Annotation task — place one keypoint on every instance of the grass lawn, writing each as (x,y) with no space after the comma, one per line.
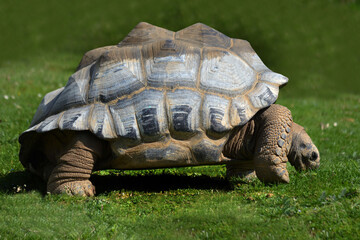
(314,43)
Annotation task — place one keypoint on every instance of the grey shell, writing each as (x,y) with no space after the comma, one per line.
(158,83)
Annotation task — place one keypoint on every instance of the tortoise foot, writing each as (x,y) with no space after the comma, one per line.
(78,188)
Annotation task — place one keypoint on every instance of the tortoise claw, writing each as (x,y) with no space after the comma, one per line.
(75,188)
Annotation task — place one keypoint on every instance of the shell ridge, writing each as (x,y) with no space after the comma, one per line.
(59,118)
(92,71)
(167,109)
(141,135)
(231,44)
(166,124)
(198,77)
(201,110)
(230,111)
(84,91)
(90,116)
(111,119)
(142,64)
(204,35)
(144,33)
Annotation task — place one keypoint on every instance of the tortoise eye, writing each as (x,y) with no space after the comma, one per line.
(302,145)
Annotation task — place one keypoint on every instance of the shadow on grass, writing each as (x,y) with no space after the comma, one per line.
(16,182)
(158,183)
(24,181)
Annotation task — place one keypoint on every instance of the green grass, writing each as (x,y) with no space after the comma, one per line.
(315,43)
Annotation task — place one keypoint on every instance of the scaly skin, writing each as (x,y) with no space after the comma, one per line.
(72,156)
(266,143)
(270,156)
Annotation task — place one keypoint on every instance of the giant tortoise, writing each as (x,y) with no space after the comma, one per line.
(166,99)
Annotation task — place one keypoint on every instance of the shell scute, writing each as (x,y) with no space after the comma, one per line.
(263,95)
(49,123)
(117,74)
(74,93)
(141,117)
(45,106)
(170,63)
(216,115)
(75,119)
(225,73)
(240,111)
(183,111)
(101,122)
(93,55)
(125,122)
(244,50)
(151,115)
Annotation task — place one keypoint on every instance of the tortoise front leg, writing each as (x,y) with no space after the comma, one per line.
(272,145)
(74,163)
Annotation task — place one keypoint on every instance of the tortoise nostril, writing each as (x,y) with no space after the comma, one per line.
(314,156)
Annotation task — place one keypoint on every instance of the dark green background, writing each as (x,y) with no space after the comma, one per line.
(314,43)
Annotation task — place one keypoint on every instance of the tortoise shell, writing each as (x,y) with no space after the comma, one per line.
(162,95)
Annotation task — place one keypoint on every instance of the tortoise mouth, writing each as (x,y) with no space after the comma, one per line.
(307,162)
(298,163)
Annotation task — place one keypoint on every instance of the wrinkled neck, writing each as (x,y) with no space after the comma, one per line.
(241,143)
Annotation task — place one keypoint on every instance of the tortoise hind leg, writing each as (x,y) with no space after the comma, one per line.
(73,156)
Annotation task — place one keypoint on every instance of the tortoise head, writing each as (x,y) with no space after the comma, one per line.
(303,153)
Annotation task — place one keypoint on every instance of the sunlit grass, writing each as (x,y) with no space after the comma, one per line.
(312,42)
